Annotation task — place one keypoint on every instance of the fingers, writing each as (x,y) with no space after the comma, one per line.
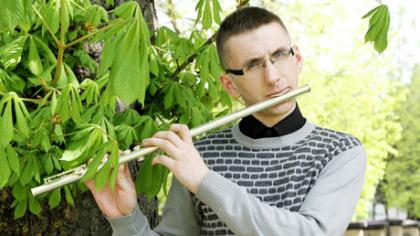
(170,136)
(165,161)
(162,144)
(183,132)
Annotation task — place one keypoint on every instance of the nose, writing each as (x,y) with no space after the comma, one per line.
(271,74)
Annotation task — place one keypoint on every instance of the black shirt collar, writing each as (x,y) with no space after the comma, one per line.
(254,129)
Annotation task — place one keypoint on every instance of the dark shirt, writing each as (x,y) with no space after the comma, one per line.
(254,129)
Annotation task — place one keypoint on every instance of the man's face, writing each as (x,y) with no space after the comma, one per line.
(273,79)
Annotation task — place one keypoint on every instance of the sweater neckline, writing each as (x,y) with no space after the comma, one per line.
(273,142)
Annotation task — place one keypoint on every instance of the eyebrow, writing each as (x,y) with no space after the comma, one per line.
(258,59)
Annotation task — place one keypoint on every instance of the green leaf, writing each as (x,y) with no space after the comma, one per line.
(148,129)
(63,80)
(381,42)
(20,117)
(154,66)
(7,21)
(34,61)
(111,44)
(5,169)
(13,159)
(96,14)
(54,198)
(10,54)
(126,10)
(47,164)
(63,104)
(76,107)
(129,76)
(20,209)
(34,205)
(199,9)
(45,141)
(102,176)
(68,195)
(6,124)
(180,95)
(58,131)
(196,117)
(115,164)
(53,103)
(378,27)
(150,178)
(95,161)
(207,15)
(19,192)
(27,173)
(52,17)
(45,49)
(144,180)
(215,66)
(216,11)
(14,83)
(169,96)
(77,147)
(35,165)
(71,76)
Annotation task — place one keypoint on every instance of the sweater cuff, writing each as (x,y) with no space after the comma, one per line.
(128,224)
(215,190)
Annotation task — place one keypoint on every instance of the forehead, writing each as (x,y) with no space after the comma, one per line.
(255,43)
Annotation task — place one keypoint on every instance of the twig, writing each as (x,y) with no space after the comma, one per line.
(192,57)
(76,41)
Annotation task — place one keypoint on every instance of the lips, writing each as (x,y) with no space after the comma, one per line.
(278,92)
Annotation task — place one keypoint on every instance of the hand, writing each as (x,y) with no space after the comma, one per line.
(184,162)
(122,201)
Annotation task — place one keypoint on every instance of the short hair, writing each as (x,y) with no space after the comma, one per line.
(243,20)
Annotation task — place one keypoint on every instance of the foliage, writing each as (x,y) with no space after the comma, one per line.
(402,186)
(378,27)
(54,119)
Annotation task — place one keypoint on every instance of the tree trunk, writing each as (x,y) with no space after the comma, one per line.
(85,218)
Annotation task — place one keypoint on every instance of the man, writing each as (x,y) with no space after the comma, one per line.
(273,174)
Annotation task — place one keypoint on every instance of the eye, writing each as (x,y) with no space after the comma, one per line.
(253,65)
(250,66)
(280,54)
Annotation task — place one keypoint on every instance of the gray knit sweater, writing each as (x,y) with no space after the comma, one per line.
(303,183)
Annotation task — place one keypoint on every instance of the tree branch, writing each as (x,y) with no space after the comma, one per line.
(192,57)
(76,41)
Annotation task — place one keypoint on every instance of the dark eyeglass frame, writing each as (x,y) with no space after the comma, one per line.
(241,71)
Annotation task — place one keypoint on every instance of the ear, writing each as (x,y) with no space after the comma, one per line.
(229,85)
(298,58)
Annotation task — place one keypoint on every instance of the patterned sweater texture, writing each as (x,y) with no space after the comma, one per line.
(278,175)
(303,183)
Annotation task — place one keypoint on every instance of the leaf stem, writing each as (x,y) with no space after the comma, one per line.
(76,41)
(46,25)
(61,44)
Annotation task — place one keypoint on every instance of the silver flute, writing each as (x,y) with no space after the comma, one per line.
(77,173)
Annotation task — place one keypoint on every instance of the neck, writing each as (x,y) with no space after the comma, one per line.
(270,121)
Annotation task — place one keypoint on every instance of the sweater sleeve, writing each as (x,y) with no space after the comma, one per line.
(326,210)
(179,217)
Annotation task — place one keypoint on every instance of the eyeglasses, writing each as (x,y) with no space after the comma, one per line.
(255,68)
